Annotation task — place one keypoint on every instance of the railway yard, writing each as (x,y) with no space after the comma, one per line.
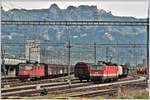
(83,80)
(74,52)
(60,88)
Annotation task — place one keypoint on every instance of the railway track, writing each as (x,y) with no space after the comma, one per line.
(13,82)
(97,89)
(52,87)
(110,89)
(18,88)
(9,80)
(16,83)
(20,83)
(57,88)
(95,93)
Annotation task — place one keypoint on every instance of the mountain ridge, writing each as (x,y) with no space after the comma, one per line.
(99,14)
(83,34)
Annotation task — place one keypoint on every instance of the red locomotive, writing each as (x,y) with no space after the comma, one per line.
(40,70)
(104,72)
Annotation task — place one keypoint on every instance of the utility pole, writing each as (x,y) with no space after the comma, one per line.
(24,46)
(148,49)
(117,59)
(134,56)
(29,53)
(107,54)
(95,52)
(69,47)
(137,52)
(3,61)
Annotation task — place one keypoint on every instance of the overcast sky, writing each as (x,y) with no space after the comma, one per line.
(133,8)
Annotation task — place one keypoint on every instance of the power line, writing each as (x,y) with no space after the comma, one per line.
(63,43)
(77,23)
(80,45)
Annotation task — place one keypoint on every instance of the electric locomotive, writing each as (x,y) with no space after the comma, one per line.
(104,72)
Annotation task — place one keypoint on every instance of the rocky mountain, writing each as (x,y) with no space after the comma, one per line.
(55,13)
(83,34)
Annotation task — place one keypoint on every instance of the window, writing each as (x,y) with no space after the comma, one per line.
(25,66)
(21,67)
(96,67)
(28,67)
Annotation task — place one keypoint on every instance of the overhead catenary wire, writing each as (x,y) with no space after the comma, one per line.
(80,45)
(77,23)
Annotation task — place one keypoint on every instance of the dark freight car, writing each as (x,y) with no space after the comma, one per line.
(81,71)
(59,69)
(125,69)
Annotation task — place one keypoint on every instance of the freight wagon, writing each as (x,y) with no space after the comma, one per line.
(41,70)
(125,70)
(141,70)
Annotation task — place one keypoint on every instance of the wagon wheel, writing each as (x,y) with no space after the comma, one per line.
(87,80)
(80,80)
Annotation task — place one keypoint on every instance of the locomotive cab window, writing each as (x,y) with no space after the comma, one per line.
(96,67)
(28,67)
(21,67)
(25,67)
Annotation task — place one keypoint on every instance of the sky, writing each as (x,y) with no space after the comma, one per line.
(135,8)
